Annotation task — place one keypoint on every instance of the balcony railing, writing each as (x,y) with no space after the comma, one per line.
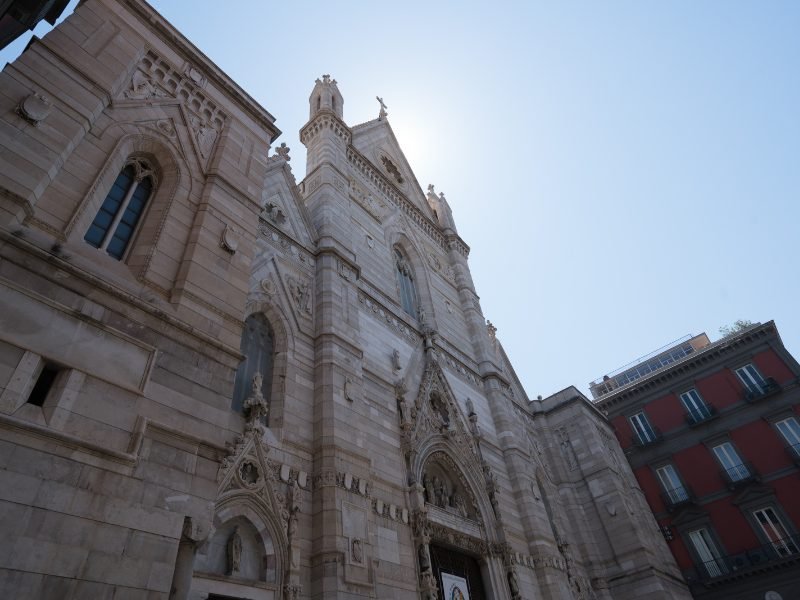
(704,413)
(739,475)
(770,387)
(779,550)
(651,437)
(677,497)
(794,452)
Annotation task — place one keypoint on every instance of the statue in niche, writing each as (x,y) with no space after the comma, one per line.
(396,360)
(438,488)
(440,409)
(459,504)
(255,406)
(234,552)
(428,485)
(300,294)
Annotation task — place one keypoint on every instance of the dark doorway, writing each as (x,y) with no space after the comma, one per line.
(461,565)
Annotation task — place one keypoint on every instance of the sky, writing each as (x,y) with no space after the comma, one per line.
(625,173)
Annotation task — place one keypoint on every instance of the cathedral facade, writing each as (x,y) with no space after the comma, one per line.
(217,382)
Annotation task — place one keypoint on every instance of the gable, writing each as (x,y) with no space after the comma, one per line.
(376,141)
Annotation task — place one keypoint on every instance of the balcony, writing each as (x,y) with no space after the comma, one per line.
(794,453)
(648,438)
(699,415)
(740,475)
(786,550)
(678,498)
(770,387)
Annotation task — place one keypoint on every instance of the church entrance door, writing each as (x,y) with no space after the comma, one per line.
(451,569)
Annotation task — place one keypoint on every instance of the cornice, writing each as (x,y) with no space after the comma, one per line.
(325,119)
(694,362)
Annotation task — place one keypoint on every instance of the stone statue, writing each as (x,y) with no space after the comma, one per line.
(459,504)
(513,583)
(424,558)
(470,407)
(258,384)
(438,488)
(396,360)
(234,552)
(428,485)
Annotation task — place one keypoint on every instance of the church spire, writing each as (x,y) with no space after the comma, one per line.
(325,96)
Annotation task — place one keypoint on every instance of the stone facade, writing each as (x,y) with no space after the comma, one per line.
(384,431)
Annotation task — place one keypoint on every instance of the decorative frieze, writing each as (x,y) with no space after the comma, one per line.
(384,314)
(285,245)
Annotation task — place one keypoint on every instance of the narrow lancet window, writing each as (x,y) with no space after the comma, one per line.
(405,280)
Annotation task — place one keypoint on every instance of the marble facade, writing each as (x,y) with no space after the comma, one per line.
(373,435)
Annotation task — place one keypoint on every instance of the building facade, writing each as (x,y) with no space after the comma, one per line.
(713,437)
(216,382)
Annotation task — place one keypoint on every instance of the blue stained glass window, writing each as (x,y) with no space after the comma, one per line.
(118,200)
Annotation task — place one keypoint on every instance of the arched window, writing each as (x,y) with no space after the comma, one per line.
(115,222)
(405,280)
(257,347)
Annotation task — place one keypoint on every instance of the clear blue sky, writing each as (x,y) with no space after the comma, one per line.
(625,172)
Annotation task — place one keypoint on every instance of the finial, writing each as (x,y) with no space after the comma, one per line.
(441,196)
(326,79)
(382,112)
(491,329)
(430,189)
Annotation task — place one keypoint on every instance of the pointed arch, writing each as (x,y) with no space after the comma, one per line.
(173,182)
(398,240)
(282,346)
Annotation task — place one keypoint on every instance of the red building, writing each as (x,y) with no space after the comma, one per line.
(712,433)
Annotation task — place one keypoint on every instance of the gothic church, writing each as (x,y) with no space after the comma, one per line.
(217,382)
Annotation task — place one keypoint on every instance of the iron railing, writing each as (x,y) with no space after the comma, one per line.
(677,497)
(770,387)
(698,415)
(652,436)
(740,474)
(778,550)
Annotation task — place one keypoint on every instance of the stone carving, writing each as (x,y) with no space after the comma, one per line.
(374,206)
(292,508)
(424,558)
(274,213)
(470,407)
(205,135)
(382,114)
(301,294)
(567,451)
(356,551)
(255,406)
(348,389)
(392,169)
(283,152)
(142,87)
(234,549)
(513,584)
(396,360)
(229,239)
(248,473)
(491,329)
(34,108)
(268,286)
(291,592)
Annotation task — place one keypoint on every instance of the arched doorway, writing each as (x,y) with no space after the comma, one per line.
(455,570)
